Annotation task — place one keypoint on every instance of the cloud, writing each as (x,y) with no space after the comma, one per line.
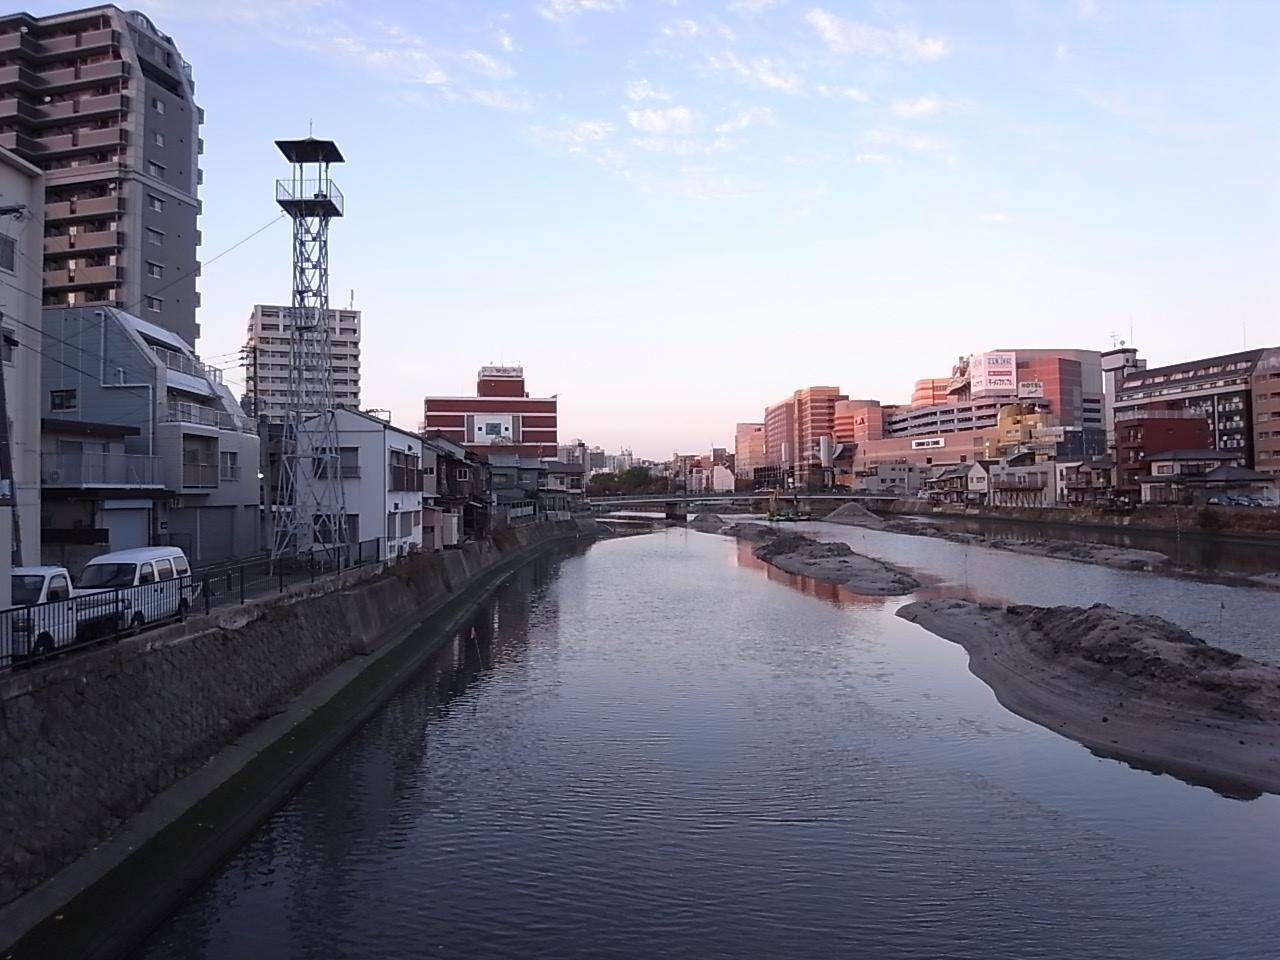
(402,56)
(578,135)
(847,93)
(661,120)
(505,40)
(759,72)
(917,107)
(751,7)
(487,65)
(500,99)
(685,29)
(995,217)
(755,116)
(699,184)
(563,9)
(850,36)
(910,140)
(643,90)
(1060,53)
(871,157)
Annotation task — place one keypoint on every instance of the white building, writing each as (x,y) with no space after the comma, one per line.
(21,272)
(267,360)
(382,484)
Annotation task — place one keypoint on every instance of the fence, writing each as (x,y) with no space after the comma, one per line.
(38,631)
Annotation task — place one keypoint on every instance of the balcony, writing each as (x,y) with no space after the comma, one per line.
(1145,414)
(84,277)
(21,143)
(102,104)
(309,198)
(179,411)
(108,206)
(84,140)
(89,40)
(1017,483)
(86,73)
(99,470)
(13,108)
(200,476)
(184,364)
(18,74)
(18,42)
(84,242)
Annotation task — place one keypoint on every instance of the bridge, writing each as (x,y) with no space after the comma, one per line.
(676,505)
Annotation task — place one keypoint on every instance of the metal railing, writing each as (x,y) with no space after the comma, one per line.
(201,475)
(322,192)
(99,469)
(38,632)
(179,411)
(184,364)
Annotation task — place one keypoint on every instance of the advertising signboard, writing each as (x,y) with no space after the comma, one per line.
(928,443)
(993,374)
(1030,389)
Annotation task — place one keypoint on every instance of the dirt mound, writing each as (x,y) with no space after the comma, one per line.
(854,515)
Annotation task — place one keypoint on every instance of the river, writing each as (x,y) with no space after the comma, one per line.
(657,747)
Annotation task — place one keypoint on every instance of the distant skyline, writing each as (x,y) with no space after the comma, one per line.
(673,213)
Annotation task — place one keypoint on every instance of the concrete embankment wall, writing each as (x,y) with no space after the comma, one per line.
(1244,522)
(87,740)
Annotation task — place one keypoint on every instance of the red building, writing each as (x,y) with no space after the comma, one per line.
(1147,431)
(500,417)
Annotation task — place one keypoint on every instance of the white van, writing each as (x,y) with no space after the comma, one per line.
(43,616)
(141,586)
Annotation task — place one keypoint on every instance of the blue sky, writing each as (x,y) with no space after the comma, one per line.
(674,212)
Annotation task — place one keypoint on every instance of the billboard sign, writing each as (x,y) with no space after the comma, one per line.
(928,443)
(1030,389)
(993,374)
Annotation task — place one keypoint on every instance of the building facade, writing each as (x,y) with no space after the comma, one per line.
(799,429)
(1219,389)
(1144,432)
(21,232)
(103,103)
(501,416)
(748,449)
(382,482)
(142,444)
(1265,384)
(267,360)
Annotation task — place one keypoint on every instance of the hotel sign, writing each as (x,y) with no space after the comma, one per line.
(993,374)
(1030,389)
(928,443)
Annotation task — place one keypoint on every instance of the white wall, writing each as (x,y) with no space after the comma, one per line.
(367,496)
(21,183)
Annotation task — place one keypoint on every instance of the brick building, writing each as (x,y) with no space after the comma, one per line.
(501,416)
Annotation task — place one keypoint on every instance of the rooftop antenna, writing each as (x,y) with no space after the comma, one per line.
(310,513)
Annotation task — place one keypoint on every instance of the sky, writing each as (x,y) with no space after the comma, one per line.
(674,212)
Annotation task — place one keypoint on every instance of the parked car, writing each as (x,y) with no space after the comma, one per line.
(43,615)
(131,588)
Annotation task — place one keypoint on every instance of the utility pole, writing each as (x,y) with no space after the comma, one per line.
(8,493)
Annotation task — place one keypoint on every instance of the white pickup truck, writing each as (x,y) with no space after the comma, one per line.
(43,615)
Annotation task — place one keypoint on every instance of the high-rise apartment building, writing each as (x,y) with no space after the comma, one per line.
(795,428)
(748,449)
(267,360)
(102,102)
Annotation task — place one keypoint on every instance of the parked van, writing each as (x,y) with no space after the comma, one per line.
(138,586)
(43,616)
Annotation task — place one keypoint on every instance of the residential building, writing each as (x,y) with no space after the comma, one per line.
(1086,481)
(142,444)
(1118,364)
(1192,476)
(21,230)
(1220,389)
(500,415)
(1021,482)
(901,479)
(949,485)
(460,488)
(103,103)
(1265,384)
(1143,432)
(380,468)
(748,449)
(268,360)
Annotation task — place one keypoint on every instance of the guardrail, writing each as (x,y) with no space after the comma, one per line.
(37,632)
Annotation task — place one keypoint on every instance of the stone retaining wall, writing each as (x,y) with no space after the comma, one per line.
(1228,521)
(88,739)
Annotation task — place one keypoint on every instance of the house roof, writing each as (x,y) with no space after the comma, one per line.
(1227,472)
(384,424)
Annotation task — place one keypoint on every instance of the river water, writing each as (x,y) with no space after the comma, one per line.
(657,747)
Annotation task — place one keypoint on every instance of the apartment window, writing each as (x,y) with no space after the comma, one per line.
(155,203)
(157,105)
(155,237)
(155,169)
(154,269)
(154,304)
(157,138)
(463,473)
(62,400)
(229,465)
(8,253)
